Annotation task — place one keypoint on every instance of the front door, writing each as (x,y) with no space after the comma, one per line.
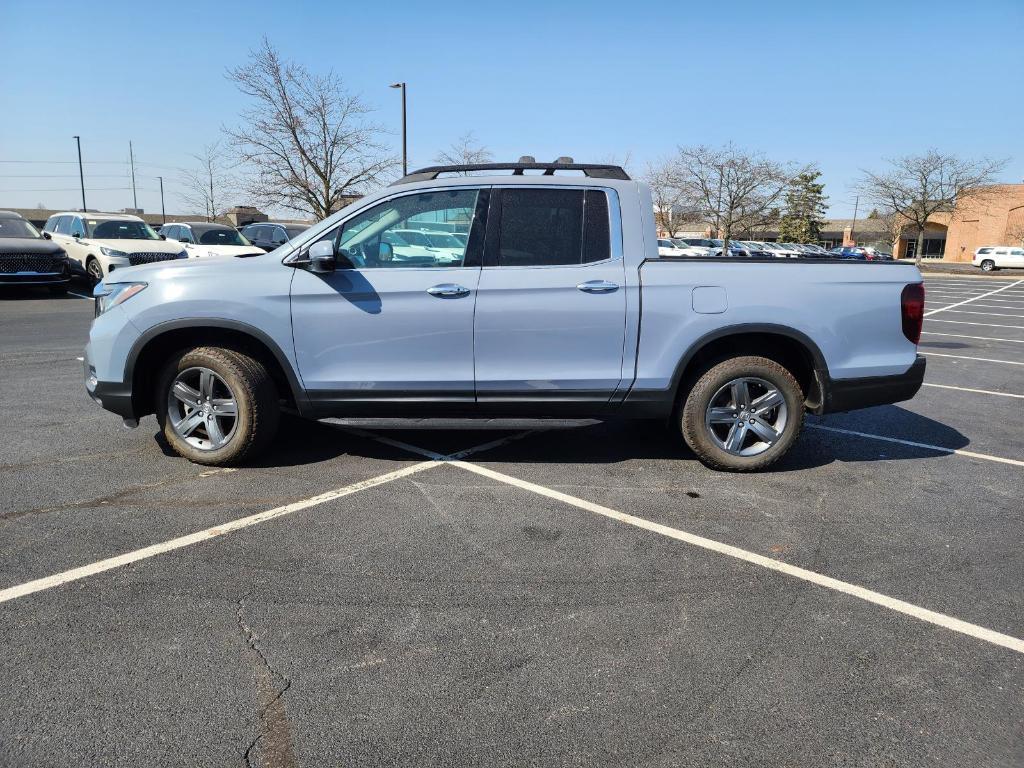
(394,322)
(551,309)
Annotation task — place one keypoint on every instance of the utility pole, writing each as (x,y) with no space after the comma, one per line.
(405,143)
(853,226)
(213,211)
(163,212)
(131,160)
(81,175)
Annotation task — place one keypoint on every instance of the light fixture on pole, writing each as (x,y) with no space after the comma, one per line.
(81,175)
(405,144)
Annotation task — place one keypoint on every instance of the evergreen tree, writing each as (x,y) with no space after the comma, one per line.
(805,209)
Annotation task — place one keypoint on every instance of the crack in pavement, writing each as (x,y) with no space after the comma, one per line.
(273,744)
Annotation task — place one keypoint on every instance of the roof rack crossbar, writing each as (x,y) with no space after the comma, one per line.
(591,170)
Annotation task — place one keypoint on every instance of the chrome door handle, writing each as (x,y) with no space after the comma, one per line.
(598,286)
(448,291)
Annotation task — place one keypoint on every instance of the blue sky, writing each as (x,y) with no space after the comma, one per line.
(843,85)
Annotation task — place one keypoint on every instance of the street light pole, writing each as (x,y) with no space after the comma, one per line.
(81,175)
(163,213)
(131,160)
(405,144)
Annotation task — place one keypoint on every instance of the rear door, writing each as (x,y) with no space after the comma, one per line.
(551,306)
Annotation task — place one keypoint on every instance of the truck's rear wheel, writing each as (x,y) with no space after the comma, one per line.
(743,414)
(216,406)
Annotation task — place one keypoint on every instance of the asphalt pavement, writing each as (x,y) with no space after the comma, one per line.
(578,593)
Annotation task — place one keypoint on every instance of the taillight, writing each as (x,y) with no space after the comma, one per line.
(912,311)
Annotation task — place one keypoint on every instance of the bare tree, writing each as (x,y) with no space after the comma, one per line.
(464,151)
(670,198)
(210,184)
(916,187)
(306,137)
(731,189)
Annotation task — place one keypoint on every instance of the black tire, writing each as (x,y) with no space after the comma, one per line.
(94,270)
(248,384)
(709,385)
(988,266)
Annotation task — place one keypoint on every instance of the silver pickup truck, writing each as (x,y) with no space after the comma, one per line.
(534,293)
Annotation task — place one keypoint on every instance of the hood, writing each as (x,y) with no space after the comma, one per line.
(138,246)
(224,250)
(206,268)
(29,245)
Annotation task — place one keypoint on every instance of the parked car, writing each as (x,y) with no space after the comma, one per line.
(993,257)
(669,247)
(440,246)
(103,242)
(736,248)
(269,235)
(849,252)
(575,315)
(28,258)
(207,239)
(762,250)
(698,246)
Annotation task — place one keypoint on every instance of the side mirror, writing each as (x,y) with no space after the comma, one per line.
(77,235)
(321,257)
(163,237)
(47,236)
(386,252)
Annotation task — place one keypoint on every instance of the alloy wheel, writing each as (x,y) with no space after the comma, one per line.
(201,408)
(746,416)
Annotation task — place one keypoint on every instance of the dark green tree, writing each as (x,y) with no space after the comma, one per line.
(805,209)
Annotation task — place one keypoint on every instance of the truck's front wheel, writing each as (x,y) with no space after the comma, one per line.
(743,414)
(216,406)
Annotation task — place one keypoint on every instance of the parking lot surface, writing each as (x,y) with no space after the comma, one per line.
(382,593)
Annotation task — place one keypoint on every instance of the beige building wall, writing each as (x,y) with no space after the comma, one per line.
(993,216)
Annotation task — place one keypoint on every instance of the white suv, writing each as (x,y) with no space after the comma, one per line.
(992,257)
(103,242)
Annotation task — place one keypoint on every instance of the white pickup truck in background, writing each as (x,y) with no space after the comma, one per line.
(557,304)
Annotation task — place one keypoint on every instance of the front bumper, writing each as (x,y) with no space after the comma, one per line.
(851,394)
(114,396)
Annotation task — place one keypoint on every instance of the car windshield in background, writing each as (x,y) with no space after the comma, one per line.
(18,228)
(117,229)
(222,237)
(443,240)
(416,238)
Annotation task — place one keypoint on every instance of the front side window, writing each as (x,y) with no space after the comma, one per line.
(63,226)
(77,230)
(389,234)
(552,227)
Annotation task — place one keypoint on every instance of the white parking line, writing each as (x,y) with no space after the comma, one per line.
(968,357)
(49,582)
(966,301)
(962,336)
(986,325)
(913,444)
(990,314)
(968,389)
(868,595)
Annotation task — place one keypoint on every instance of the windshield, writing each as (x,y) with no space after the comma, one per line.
(120,229)
(18,228)
(222,237)
(416,238)
(443,240)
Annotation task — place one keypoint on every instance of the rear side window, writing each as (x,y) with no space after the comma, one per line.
(552,227)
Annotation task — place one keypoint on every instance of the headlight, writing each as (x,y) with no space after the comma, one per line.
(113,252)
(110,295)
